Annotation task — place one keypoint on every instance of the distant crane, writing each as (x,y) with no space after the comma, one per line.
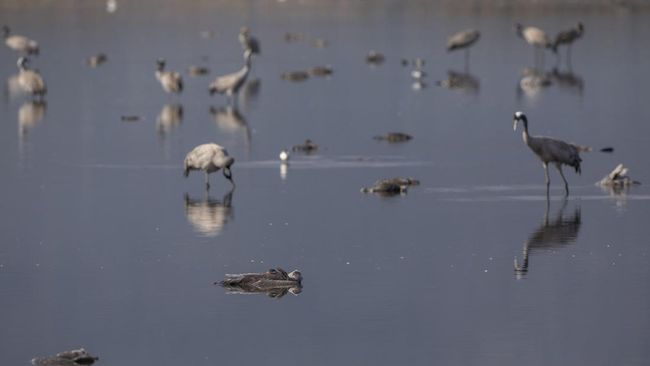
(171,81)
(550,150)
(231,83)
(20,43)
(463,39)
(29,80)
(249,42)
(567,37)
(209,158)
(536,38)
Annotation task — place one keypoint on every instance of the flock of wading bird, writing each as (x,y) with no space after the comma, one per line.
(212,157)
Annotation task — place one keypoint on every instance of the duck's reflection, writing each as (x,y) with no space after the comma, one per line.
(461,81)
(209,216)
(550,234)
(170,117)
(229,119)
(30,114)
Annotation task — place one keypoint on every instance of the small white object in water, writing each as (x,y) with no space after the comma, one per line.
(418,74)
(284,155)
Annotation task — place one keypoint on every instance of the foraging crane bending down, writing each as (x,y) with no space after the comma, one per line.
(209,158)
(171,81)
(248,42)
(20,43)
(550,150)
(29,80)
(231,83)
(533,36)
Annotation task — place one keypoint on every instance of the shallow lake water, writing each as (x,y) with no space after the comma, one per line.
(105,245)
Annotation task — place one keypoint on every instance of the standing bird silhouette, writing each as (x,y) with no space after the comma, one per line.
(209,158)
(249,42)
(567,37)
(20,43)
(536,38)
(171,81)
(550,150)
(29,80)
(231,83)
(463,39)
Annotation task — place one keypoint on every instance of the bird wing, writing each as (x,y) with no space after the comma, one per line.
(553,150)
(464,38)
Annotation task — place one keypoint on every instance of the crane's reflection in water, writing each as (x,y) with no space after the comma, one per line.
(549,235)
(209,216)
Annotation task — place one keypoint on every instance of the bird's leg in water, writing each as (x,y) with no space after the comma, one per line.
(207,182)
(566,184)
(548,181)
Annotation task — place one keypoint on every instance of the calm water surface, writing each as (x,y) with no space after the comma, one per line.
(105,245)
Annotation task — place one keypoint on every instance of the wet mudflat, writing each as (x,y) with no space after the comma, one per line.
(105,245)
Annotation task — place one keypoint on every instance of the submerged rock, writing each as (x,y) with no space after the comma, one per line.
(392,186)
(394,137)
(67,358)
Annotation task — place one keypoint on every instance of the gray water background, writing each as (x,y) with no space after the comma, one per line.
(99,249)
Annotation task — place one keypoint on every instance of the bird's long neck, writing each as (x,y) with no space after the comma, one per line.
(5,32)
(524,135)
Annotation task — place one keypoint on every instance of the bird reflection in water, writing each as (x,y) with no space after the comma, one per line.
(229,119)
(249,92)
(567,81)
(461,81)
(30,114)
(549,235)
(170,117)
(209,216)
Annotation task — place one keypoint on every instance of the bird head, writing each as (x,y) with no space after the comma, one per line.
(519,117)
(226,170)
(244,31)
(160,63)
(518,29)
(6,31)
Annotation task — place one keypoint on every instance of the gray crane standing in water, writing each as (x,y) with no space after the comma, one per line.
(29,80)
(464,39)
(231,83)
(567,37)
(550,150)
(171,81)
(209,158)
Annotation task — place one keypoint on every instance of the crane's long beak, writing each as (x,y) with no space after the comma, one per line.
(514,124)
(228,174)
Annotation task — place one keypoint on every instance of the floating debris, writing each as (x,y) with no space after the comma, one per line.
(319,43)
(307,147)
(197,71)
(394,137)
(392,186)
(67,358)
(295,75)
(320,71)
(618,178)
(130,118)
(375,58)
(96,60)
(291,37)
(275,282)
(206,34)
